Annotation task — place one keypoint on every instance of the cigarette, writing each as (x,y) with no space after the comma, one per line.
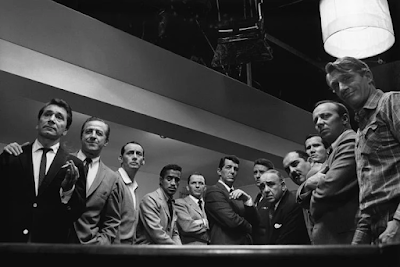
(65,165)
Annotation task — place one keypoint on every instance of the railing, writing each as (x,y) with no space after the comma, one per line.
(212,255)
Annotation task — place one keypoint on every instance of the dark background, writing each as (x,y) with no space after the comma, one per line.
(295,70)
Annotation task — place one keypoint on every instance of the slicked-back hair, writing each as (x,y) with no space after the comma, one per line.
(326,145)
(131,142)
(62,104)
(195,173)
(108,131)
(168,167)
(265,162)
(228,157)
(302,154)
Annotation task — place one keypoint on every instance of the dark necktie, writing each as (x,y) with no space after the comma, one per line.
(200,204)
(86,164)
(43,161)
(170,207)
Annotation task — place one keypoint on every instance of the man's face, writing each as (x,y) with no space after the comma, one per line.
(296,167)
(196,185)
(258,170)
(170,182)
(351,87)
(271,187)
(52,124)
(94,137)
(316,149)
(328,122)
(228,172)
(133,157)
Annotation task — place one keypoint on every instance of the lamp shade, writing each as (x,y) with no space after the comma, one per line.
(356,28)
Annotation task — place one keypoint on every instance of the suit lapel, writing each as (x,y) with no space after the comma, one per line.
(194,205)
(59,160)
(27,165)
(98,179)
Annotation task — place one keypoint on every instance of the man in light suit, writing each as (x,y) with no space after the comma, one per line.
(131,159)
(157,217)
(334,201)
(41,210)
(230,211)
(100,222)
(192,219)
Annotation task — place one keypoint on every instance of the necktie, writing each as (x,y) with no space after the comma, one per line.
(200,204)
(86,163)
(170,207)
(43,161)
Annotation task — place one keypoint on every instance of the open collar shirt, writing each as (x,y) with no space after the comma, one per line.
(378,151)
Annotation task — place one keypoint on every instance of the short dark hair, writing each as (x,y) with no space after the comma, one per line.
(62,104)
(228,157)
(265,162)
(168,167)
(130,142)
(326,145)
(195,173)
(108,131)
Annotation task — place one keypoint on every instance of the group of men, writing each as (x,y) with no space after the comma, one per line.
(348,183)
(353,197)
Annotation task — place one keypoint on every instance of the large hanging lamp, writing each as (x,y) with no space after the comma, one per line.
(356,28)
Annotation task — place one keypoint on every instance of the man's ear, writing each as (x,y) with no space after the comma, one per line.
(120,159)
(65,132)
(219,171)
(345,119)
(143,162)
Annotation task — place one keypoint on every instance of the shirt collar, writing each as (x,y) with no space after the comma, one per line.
(37,145)
(82,157)
(196,200)
(125,177)
(371,104)
(227,187)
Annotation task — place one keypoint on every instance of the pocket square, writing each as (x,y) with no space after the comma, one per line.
(277,225)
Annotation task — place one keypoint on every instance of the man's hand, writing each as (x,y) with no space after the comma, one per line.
(391,234)
(14,148)
(239,194)
(312,182)
(71,176)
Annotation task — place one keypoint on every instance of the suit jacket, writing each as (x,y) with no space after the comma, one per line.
(334,203)
(156,225)
(230,220)
(287,226)
(101,219)
(260,232)
(26,217)
(191,227)
(129,215)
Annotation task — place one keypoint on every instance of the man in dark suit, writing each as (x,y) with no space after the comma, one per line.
(43,187)
(285,224)
(192,219)
(230,212)
(157,217)
(100,222)
(260,234)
